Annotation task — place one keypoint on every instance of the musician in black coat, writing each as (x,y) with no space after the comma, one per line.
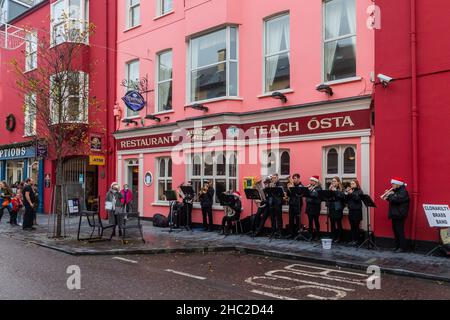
(295,205)
(206,197)
(336,209)
(276,205)
(232,213)
(355,205)
(399,200)
(313,207)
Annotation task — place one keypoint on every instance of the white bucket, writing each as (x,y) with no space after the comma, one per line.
(326,244)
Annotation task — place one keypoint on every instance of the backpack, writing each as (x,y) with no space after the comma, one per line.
(160,221)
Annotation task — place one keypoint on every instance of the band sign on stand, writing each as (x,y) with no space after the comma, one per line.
(438,215)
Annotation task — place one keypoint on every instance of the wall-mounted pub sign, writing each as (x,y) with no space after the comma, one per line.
(134,100)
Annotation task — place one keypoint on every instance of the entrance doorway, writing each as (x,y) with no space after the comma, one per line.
(132,179)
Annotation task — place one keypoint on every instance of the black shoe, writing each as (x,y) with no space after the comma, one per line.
(399,250)
(395,249)
(29,229)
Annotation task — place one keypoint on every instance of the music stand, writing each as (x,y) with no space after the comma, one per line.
(327,196)
(171,196)
(252,194)
(274,192)
(368,202)
(302,192)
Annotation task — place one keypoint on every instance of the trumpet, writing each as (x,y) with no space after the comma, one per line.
(387,193)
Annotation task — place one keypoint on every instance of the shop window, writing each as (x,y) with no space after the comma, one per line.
(340,161)
(214,65)
(164,177)
(132,81)
(339,39)
(218,167)
(30,115)
(164,85)
(276,161)
(69,21)
(31,51)
(69,94)
(164,7)
(133,13)
(277,54)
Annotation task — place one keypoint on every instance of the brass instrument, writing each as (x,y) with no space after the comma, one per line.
(348,190)
(387,193)
(290,184)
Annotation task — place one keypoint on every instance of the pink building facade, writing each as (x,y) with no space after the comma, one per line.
(231,92)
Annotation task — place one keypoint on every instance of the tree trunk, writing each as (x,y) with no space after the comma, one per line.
(58,196)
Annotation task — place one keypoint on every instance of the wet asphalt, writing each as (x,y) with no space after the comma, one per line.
(30,272)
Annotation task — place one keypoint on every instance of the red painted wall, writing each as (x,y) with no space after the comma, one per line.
(393,120)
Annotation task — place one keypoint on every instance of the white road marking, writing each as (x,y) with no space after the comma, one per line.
(186,274)
(277,296)
(126,260)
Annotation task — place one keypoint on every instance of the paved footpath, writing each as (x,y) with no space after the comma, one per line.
(161,241)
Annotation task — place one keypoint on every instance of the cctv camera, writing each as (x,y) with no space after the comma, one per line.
(385,80)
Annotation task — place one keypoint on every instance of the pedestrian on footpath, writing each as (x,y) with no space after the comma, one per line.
(399,200)
(29,200)
(114,206)
(5,199)
(127,198)
(21,211)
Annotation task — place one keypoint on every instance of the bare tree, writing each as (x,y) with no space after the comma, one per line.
(56,91)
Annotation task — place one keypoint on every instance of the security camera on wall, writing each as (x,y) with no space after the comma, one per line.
(384,79)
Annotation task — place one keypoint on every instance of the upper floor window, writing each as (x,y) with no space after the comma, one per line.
(164,7)
(69,97)
(164,85)
(30,114)
(339,40)
(277,54)
(132,76)
(31,47)
(133,13)
(340,161)
(70,21)
(214,65)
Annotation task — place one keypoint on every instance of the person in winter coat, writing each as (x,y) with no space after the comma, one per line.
(206,197)
(114,206)
(336,209)
(354,203)
(5,199)
(313,207)
(295,205)
(232,214)
(399,200)
(127,198)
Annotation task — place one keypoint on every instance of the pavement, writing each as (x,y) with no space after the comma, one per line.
(161,241)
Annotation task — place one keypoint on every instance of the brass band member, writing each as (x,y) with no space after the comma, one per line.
(261,204)
(295,205)
(232,213)
(399,200)
(264,208)
(354,203)
(313,207)
(188,201)
(206,197)
(277,206)
(336,209)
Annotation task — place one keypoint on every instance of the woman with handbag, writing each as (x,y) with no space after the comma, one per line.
(114,206)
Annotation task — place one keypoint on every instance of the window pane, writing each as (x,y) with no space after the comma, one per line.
(233,43)
(58,11)
(165,96)
(208,163)
(232,185)
(340,18)
(221,187)
(271,163)
(232,172)
(196,185)
(220,165)
(73,111)
(332,161)
(162,168)
(197,166)
(340,59)
(278,72)
(167,6)
(209,49)
(169,168)
(74,9)
(165,66)
(349,161)
(285,163)
(209,83)
(233,79)
(161,189)
(277,35)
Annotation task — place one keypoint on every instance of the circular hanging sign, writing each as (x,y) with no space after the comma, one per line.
(148,179)
(134,100)
(10,122)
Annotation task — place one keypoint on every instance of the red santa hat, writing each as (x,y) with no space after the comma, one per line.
(237,193)
(314,178)
(398,181)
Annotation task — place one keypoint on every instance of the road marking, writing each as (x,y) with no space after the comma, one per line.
(277,296)
(186,274)
(126,260)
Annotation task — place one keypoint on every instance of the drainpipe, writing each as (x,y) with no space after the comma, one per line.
(414,120)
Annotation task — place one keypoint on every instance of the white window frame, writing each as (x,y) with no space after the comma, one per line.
(166,178)
(228,61)
(129,11)
(83,96)
(160,8)
(159,82)
(324,41)
(340,151)
(202,177)
(277,154)
(30,115)
(31,51)
(265,55)
(82,20)
(129,114)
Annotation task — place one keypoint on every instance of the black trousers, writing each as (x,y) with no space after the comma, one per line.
(28,217)
(278,216)
(314,219)
(268,212)
(336,228)
(257,218)
(13,217)
(188,212)
(354,229)
(207,212)
(294,219)
(398,226)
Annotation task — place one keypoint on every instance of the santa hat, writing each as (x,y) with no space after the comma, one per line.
(237,193)
(398,181)
(114,184)
(314,178)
